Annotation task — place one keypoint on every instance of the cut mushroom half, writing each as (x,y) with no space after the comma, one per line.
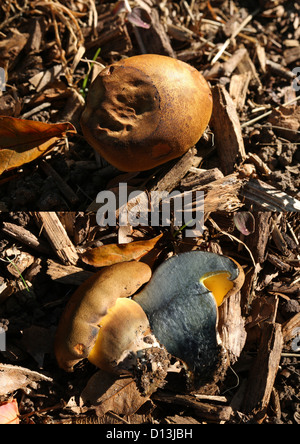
(181,302)
(100,322)
(123,337)
(175,314)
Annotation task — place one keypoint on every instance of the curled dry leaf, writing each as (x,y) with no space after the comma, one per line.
(22,141)
(114,253)
(110,393)
(13,377)
(9,412)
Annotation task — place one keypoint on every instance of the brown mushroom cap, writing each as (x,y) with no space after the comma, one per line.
(81,320)
(146,110)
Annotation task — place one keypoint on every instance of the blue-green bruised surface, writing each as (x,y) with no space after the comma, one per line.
(182,312)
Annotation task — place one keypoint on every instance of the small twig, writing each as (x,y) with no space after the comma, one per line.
(237,382)
(11,19)
(115,416)
(235,33)
(282,128)
(232,238)
(36,110)
(94,17)
(189,11)
(293,234)
(291,355)
(280,71)
(60,405)
(94,62)
(250,122)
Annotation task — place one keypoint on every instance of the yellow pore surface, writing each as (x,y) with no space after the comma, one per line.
(218,284)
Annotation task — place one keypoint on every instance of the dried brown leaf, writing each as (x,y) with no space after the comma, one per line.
(110,393)
(22,141)
(114,253)
(13,377)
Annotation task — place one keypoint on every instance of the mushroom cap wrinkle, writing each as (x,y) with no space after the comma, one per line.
(146,110)
(183,312)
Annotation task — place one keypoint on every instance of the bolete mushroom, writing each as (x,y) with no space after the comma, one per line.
(101,305)
(176,313)
(146,110)
(181,303)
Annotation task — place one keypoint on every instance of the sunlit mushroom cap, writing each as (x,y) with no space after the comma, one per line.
(145,110)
